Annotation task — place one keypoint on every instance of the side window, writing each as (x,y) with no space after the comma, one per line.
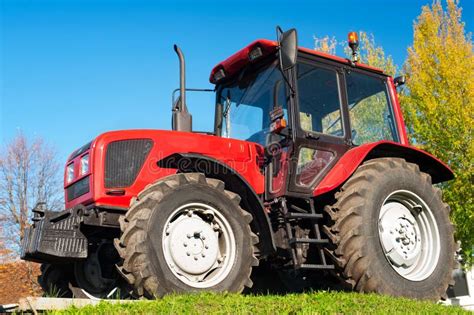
(369,110)
(319,101)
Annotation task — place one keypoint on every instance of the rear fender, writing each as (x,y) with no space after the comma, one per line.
(351,160)
(212,168)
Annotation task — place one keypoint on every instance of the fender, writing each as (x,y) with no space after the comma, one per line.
(351,160)
(212,168)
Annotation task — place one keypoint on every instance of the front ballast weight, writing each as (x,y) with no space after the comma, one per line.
(54,236)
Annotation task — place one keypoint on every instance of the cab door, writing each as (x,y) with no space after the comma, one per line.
(320,119)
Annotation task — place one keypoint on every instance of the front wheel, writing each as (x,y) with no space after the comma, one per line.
(391,232)
(187,233)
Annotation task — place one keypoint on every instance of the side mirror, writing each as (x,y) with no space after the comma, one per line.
(288,43)
(399,81)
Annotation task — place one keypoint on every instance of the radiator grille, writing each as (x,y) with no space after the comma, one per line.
(123,161)
(78,189)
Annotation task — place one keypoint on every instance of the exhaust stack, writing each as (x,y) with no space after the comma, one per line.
(181,118)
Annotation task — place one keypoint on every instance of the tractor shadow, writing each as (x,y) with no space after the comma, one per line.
(269,281)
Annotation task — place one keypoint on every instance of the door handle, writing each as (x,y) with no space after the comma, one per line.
(311,136)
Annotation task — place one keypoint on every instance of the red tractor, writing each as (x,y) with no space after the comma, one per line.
(308,172)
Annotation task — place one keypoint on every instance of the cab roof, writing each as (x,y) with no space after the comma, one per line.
(237,61)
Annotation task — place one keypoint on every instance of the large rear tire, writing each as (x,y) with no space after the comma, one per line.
(391,232)
(186,233)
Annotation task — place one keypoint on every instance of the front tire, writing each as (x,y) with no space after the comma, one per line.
(55,279)
(186,233)
(391,233)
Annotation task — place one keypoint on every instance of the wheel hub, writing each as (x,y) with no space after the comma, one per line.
(400,234)
(409,236)
(194,245)
(198,245)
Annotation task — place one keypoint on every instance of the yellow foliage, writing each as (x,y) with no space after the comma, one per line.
(438,104)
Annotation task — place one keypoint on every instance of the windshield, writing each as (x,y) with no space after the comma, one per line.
(243,106)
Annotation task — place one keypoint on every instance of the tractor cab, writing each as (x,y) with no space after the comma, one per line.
(307,113)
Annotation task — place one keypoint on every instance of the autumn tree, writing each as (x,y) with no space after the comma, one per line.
(5,253)
(29,173)
(439,104)
(326,44)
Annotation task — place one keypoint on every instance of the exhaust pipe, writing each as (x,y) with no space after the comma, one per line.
(181,118)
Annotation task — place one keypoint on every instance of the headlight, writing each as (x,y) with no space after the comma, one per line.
(70,172)
(84,164)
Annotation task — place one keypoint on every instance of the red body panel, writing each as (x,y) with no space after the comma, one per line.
(238,155)
(349,162)
(237,61)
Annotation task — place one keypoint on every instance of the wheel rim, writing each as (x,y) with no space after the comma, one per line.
(409,235)
(198,245)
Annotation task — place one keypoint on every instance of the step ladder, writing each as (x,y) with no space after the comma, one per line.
(293,212)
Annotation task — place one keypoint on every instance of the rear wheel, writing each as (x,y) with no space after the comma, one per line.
(187,233)
(391,232)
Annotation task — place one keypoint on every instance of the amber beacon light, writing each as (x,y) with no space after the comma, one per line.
(353,41)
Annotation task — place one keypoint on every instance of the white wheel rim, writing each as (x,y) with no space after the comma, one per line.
(409,235)
(198,245)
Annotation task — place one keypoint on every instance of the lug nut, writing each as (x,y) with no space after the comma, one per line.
(188,235)
(203,255)
(188,253)
(206,247)
(195,258)
(203,237)
(185,244)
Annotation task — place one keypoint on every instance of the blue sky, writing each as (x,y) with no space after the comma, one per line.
(72,69)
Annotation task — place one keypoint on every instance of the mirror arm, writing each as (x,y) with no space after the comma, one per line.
(293,92)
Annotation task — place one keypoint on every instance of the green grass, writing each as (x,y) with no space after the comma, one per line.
(307,303)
